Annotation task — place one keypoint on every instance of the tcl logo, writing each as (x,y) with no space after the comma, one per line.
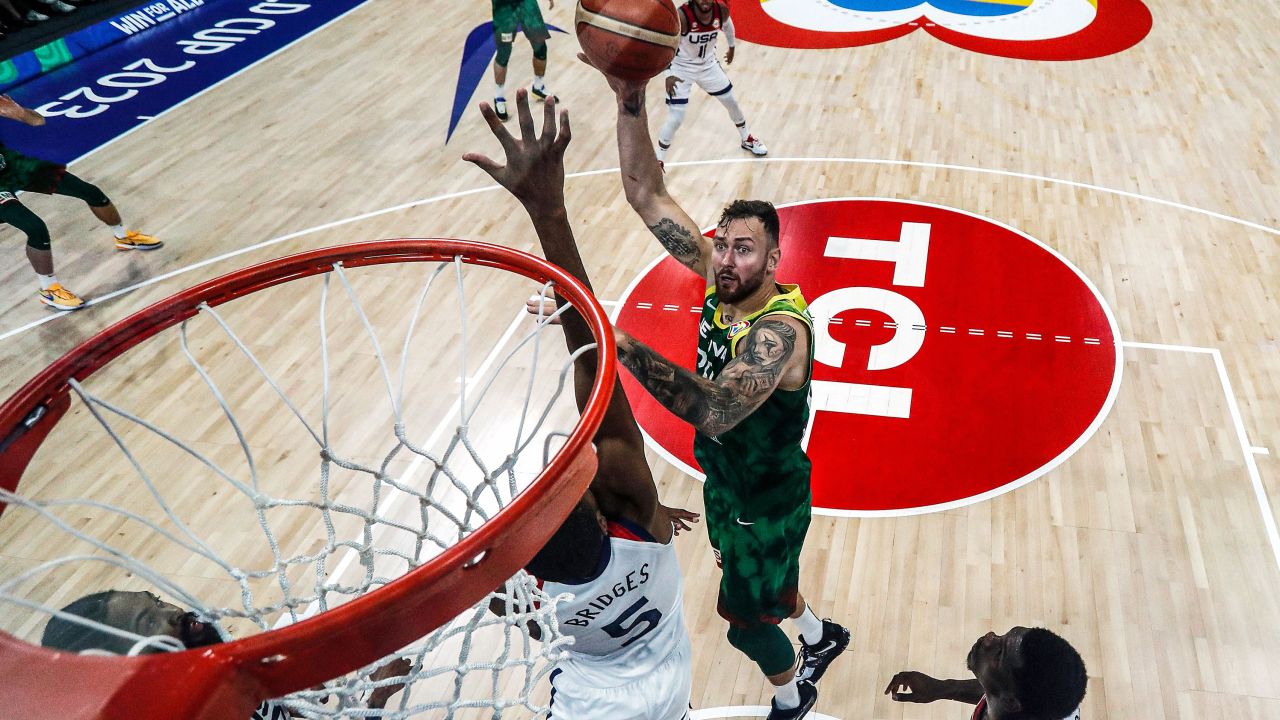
(955,358)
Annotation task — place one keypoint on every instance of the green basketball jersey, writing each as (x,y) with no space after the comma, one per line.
(759,463)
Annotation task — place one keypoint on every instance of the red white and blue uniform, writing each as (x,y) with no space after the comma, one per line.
(631,656)
(696,60)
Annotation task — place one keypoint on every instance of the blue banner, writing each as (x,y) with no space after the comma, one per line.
(93,100)
(143,16)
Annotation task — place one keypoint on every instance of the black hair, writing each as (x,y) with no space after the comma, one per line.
(71,636)
(760,209)
(1051,682)
(573,552)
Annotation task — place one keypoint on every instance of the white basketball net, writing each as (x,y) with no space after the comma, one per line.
(176,522)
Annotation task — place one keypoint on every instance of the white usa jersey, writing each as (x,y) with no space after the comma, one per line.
(698,45)
(627,620)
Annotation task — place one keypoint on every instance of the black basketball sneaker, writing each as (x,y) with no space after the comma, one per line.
(815,658)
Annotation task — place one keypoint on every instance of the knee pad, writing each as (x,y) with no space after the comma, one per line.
(540,50)
(37,235)
(73,186)
(765,644)
(96,198)
(504,53)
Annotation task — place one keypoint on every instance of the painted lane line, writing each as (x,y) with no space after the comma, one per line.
(1004,334)
(1237,419)
(1259,451)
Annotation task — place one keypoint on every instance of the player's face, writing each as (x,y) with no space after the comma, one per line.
(145,614)
(703,6)
(994,658)
(741,258)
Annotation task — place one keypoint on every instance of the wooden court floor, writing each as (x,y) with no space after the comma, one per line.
(1154,171)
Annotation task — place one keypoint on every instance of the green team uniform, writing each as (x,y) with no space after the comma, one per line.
(23,172)
(757,490)
(512,15)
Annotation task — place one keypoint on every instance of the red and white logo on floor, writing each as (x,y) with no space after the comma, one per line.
(957,358)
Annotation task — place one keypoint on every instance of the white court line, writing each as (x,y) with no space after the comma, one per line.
(1259,451)
(603,171)
(1247,448)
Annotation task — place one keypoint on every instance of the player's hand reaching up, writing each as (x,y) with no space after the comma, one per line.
(534,169)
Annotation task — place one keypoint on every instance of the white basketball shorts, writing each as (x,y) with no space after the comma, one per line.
(709,76)
(661,695)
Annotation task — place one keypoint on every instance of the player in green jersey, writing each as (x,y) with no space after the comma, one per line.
(510,17)
(23,173)
(748,402)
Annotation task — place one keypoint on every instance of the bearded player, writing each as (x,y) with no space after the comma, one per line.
(701,22)
(749,402)
(631,657)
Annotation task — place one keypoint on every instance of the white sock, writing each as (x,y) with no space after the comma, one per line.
(787,696)
(743,132)
(118,231)
(809,625)
(47,281)
(539,82)
(660,151)
(500,91)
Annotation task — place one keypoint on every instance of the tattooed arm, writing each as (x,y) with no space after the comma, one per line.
(642,181)
(775,350)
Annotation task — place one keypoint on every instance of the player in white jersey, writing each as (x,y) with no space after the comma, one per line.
(630,659)
(701,22)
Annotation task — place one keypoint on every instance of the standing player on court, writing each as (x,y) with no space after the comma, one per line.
(749,403)
(508,17)
(631,658)
(700,23)
(20,172)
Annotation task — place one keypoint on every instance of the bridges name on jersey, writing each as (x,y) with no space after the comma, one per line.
(627,620)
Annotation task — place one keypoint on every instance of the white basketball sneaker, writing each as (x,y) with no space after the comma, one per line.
(756,147)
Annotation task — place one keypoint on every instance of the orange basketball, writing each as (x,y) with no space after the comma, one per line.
(632,39)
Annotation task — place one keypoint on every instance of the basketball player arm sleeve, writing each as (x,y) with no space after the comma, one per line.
(647,194)
(774,345)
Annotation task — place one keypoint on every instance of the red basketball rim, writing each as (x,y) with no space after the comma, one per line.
(229,680)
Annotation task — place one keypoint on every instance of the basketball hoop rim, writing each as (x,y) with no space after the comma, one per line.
(368,627)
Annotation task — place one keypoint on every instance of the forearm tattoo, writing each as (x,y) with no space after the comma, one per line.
(677,239)
(714,407)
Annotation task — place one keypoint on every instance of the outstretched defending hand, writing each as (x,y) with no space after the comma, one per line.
(534,171)
(920,688)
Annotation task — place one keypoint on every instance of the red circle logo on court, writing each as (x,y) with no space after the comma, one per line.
(955,358)
(1052,30)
